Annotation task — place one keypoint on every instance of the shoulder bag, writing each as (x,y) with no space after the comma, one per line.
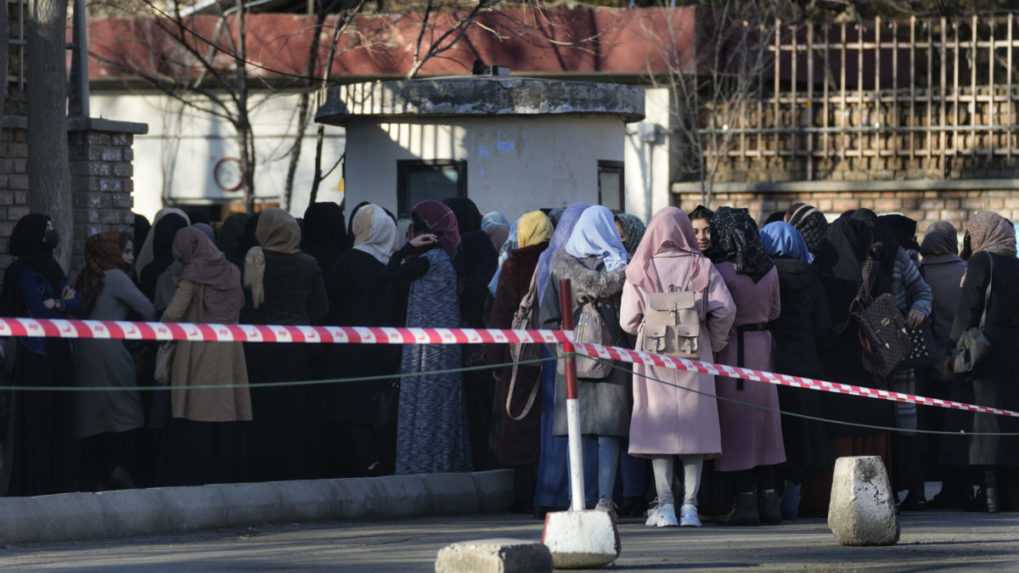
(974,346)
(523,319)
(884,338)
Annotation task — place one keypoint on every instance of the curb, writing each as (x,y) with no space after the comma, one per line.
(137,512)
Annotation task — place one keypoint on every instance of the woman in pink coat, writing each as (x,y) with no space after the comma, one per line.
(668,420)
(749,412)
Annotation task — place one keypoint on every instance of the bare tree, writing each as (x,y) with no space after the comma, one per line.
(431,43)
(49,175)
(715,77)
(340,26)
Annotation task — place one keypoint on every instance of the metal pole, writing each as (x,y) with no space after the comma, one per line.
(81,54)
(577,494)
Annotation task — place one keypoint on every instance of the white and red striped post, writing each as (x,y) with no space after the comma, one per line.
(578,538)
(578,496)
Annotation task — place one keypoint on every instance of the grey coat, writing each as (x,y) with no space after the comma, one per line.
(605,405)
(108,363)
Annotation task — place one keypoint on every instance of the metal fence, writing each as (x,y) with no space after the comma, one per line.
(923,94)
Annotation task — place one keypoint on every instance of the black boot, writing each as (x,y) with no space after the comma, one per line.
(744,511)
(769,507)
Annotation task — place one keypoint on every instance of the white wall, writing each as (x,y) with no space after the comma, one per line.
(177,157)
(648,163)
(514,165)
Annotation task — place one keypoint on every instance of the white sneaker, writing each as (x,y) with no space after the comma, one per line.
(665,516)
(652,517)
(690,518)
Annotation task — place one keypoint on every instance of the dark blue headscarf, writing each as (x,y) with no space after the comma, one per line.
(563,230)
(782,240)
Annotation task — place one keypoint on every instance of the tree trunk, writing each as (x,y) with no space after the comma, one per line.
(303,109)
(244,130)
(49,175)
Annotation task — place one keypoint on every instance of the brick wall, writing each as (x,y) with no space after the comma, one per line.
(13,184)
(953,205)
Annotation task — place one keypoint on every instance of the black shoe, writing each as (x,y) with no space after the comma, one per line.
(744,511)
(769,507)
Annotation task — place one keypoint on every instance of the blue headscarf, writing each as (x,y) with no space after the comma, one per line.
(595,235)
(564,228)
(1016,227)
(783,240)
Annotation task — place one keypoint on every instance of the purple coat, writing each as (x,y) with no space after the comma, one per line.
(751,437)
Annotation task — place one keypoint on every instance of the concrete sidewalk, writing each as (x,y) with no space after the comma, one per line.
(81,516)
(930,541)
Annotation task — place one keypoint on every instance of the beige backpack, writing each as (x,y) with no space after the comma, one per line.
(672,323)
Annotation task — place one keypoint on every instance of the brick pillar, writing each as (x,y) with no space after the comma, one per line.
(101,179)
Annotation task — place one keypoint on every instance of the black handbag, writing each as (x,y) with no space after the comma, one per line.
(884,338)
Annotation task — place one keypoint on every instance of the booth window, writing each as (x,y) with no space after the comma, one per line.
(418,181)
(611,189)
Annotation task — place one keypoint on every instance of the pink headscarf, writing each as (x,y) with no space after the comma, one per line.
(669,231)
(442,223)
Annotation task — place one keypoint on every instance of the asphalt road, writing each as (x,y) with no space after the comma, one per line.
(930,542)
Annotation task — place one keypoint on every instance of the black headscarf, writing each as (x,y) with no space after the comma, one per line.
(902,228)
(476,261)
(468,216)
(776,217)
(162,251)
(735,239)
(141,231)
(324,235)
(231,238)
(28,245)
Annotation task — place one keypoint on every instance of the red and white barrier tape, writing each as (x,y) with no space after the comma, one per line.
(676,363)
(164,331)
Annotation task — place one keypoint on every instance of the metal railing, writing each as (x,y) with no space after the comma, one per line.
(932,90)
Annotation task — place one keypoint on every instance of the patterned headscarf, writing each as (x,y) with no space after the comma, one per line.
(633,231)
(992,233)
(811,224)
(442,222)
(735,239)
(782,240)
(595,235)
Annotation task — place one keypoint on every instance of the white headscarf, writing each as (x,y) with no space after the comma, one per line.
(374,232)
(145,255)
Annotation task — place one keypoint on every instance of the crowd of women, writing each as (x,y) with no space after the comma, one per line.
(713,286)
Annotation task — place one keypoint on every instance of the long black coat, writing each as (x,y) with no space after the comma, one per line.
(993,384)
(798,333)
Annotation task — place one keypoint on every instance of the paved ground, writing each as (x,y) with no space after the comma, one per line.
(930,542)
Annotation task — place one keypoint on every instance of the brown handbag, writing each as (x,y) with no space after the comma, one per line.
(884,338)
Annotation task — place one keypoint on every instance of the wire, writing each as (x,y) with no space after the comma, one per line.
(287,384)
(809,417)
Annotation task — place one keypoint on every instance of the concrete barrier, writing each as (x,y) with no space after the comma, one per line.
(862,509)
(494,556)
(80,516)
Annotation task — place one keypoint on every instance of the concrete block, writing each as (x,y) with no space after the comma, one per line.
(494,556)
(862,510)
(581,539)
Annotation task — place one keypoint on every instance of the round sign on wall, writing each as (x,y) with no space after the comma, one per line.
(228,174)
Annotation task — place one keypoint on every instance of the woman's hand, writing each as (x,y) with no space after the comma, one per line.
(425,240)
(69,293)
(916,319)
